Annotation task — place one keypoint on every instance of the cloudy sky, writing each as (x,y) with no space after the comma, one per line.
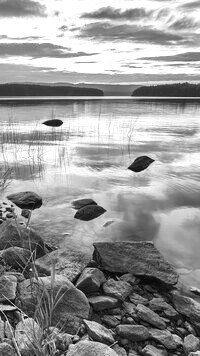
(100,41)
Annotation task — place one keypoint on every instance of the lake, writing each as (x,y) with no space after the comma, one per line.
(88,156)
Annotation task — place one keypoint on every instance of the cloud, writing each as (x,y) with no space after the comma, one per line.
(108,32)
(21,8)
(111,13)
(38,50)
(184,24)
(181,57)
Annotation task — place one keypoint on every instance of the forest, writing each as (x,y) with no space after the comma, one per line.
(175,90)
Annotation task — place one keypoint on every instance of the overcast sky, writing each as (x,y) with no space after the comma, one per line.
(98,41)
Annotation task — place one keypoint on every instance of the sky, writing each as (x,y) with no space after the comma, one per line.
(100,41)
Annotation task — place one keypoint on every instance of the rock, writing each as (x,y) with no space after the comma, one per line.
(2,328)
(163,337)
(27,334)
(16,257)
(140,258)
(138,299)
(150,350)
(7,350)
(53,123)
(130,309)
(120,351)
(128,277)
(25,213)
(132,332)
(80,203)
(67,262)
(70,306)
(9,216)
(7,307)
(89,212)
(110,321)
(117,289)
(191,344)
(98,332)
(90,348)
(8,285)
(102,302)
(188,307)
(141,163)
(62,341)
(159,304)
(90,280)
(177,340)
(150,316)
(26,200)
(9,237)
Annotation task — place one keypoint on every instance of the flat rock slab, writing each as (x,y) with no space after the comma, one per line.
(150,316)
(140,258)
(90,348)
(69,263)
(98,332)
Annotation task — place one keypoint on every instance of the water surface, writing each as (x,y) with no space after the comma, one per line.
(88,157)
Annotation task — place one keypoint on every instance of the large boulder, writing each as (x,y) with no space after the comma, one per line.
(140,258)
(70,305)
(65,261)
(26,200)
(13,235)
(90,348)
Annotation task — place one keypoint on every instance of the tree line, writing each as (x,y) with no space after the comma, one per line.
(177,89)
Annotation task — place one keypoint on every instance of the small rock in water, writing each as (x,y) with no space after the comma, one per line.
(141,163)
(53,123)
(26,200)
(89,212)
(80,203)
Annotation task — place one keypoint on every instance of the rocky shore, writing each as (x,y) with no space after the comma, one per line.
(126,300)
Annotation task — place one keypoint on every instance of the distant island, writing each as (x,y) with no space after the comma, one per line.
(178,89)
(24,89)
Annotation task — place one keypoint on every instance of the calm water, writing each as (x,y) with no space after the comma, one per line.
(88,157)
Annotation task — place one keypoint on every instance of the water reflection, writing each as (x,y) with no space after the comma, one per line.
(88,157)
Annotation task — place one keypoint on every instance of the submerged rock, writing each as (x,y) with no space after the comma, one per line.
(141,163)
(26,200)
(9,237)
(53,123)
(72,305)
(89,212)
(139,258)
(80,203)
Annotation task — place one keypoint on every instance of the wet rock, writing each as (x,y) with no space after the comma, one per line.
(102,302)
(132,332)
(7,350)
(16,257)
(80,203)
(138,299)
(188,307)
(141,163)
(8,285)
(138,258)
(67,262)
(25,213)
(191,344)
(27,334)
(89,212)
(150,350)
(117,289)
(163,337)
(71,307)
(26,200)
(150,316)
(9,237)
(90,280)
(90,348)
(98,332)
